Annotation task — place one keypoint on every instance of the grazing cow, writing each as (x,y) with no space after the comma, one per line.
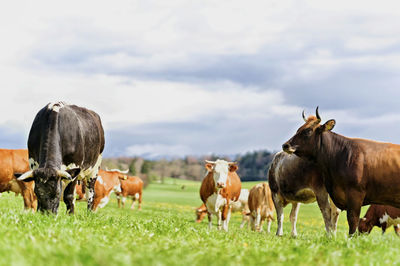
(106,183)
(239,206)
(356,172)
(382,216)
(295,180)
(131,186)
(261,206)
(65,145)
(219,189)
(12,164)
(201,212)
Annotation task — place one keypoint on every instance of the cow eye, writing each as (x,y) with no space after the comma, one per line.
(308,132)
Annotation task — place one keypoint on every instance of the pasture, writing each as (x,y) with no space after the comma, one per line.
(164,233)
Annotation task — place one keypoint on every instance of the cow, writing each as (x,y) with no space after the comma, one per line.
(106,183)
(261,206)
(382,216)
(356,172)
(131,186)
(65,144)
(12,164)
(219,189)
(295,180)
(239,206)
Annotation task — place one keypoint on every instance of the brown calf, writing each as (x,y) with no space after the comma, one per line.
(131,186)
(13,163)
(219,189)
(382,216)
(355,172)
(261,206)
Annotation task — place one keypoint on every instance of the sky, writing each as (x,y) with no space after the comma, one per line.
(182,77)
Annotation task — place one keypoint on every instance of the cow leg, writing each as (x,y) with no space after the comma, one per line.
(219,217)
(119,201)
(269,222)
(133,203)
(90,193)
(123,201)
(30,201)
(384,226)
(252,222)
(335,211)
(258,220)
(279,213)
(140,201)
(209,220)
(69,196)
(397,229)
(354,202)
(228,218)
(325,208)
(244,219)
(293,217)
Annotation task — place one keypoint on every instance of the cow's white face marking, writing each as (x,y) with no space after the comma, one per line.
(220,173)
(389,221)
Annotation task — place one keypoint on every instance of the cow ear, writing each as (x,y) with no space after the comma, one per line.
(209,167)
(74,172)
(329,125)
(29,179)
(233,167)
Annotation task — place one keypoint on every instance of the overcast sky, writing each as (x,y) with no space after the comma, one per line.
(178,77)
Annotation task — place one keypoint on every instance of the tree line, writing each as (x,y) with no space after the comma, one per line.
(253,166)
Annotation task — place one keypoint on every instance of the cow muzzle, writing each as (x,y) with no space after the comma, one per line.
(220,185)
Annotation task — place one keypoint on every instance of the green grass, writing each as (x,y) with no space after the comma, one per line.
(164,233)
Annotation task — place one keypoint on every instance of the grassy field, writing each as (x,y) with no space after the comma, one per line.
(164,233)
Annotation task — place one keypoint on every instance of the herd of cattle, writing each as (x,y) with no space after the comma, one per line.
(64,148)
(66,142)
(316,164)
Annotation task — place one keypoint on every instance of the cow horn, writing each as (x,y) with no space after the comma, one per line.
(207,161)
(304,116)
(64,174)
(317,114)
(28,174)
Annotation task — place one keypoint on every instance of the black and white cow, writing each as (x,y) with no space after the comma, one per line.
(65,145)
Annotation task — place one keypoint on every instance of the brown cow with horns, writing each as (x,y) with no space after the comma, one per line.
(356,172)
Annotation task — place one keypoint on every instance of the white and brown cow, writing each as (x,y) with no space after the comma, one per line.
(131,186)
(241,206)
(261,206)
(106,183)
(219,189)
(382,216)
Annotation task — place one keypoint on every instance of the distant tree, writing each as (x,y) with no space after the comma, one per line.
(132,168)
(146,167)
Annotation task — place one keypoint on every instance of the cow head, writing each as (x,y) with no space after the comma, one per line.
(48,187)
(365,226)
(200,213)
(220,170)
(307,137)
